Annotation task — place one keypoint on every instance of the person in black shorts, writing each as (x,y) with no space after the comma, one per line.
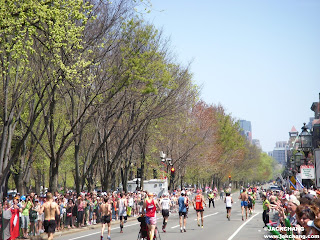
(182,201)
(165,203)
(50,209)
(106,214)
(49,226)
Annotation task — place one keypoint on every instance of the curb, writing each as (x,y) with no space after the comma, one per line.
(43,236)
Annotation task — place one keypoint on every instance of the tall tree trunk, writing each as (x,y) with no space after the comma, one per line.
(54,174)
(76,156)
(37,181)
(4,186)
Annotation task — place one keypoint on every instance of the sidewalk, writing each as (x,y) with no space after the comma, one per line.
(67,231)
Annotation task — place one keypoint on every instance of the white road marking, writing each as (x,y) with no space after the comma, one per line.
(238,230)
(125,226)
(175,226)
(209,215)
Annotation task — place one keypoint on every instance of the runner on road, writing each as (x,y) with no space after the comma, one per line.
(228,201)
(244,203)
(165,203)
(50,209)
(150,205)
(106,216)
(182,201)
(122,203)
(198,202)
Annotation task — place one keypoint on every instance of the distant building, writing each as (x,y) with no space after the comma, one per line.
(280,152)
(246,129)
(315,107)
(256,142)
(293,135)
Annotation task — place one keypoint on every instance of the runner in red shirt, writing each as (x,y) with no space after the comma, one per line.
(150,205)
(198,202)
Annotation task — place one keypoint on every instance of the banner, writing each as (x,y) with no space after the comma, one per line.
(307,172)
(317,162)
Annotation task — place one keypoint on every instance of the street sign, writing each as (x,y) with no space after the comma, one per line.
(317,162)
(307,171)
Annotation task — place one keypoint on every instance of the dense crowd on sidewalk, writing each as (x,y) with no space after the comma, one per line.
(21,216)
(297,213)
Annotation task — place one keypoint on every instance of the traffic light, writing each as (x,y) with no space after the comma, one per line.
(155,175)
(229,178)
(138,172)
(172,172)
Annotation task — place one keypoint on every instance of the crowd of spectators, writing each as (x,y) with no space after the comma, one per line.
(21,217)
(295,214)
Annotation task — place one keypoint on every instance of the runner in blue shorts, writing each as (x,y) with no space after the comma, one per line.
(244,203)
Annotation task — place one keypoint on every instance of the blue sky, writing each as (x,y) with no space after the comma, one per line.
(259,59)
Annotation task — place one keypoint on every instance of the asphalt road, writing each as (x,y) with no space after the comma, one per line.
(216,226)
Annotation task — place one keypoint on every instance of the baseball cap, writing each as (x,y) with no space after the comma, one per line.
(23,198)
(295,201)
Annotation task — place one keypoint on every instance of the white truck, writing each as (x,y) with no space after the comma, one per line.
(156,186)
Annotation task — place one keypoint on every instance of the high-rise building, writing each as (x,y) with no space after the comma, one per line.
(256,142)
(280,152)
(246,129)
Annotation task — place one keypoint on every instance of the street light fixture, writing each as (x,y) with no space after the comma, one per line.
(305,139)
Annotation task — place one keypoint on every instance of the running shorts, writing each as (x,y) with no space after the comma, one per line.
(244,204)
(49,226)
(165,212)
(105,219)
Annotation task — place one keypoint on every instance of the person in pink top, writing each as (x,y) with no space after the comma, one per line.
(150,205)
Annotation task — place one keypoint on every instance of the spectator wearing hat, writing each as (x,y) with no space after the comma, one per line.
(26,206)
(292,208)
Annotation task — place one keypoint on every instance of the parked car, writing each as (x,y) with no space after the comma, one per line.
(275,188)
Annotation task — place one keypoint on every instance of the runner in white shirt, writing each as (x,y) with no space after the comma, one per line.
(228,201)
(165,203)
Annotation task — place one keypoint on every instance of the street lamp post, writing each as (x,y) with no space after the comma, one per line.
(305,140)
(168,163)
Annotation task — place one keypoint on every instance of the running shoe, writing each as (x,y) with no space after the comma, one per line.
(184,230)
(109,238)
(181,230)
(202,226)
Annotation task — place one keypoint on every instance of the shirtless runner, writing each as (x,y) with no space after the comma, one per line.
(50,209)
(244,203)
(106,216)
